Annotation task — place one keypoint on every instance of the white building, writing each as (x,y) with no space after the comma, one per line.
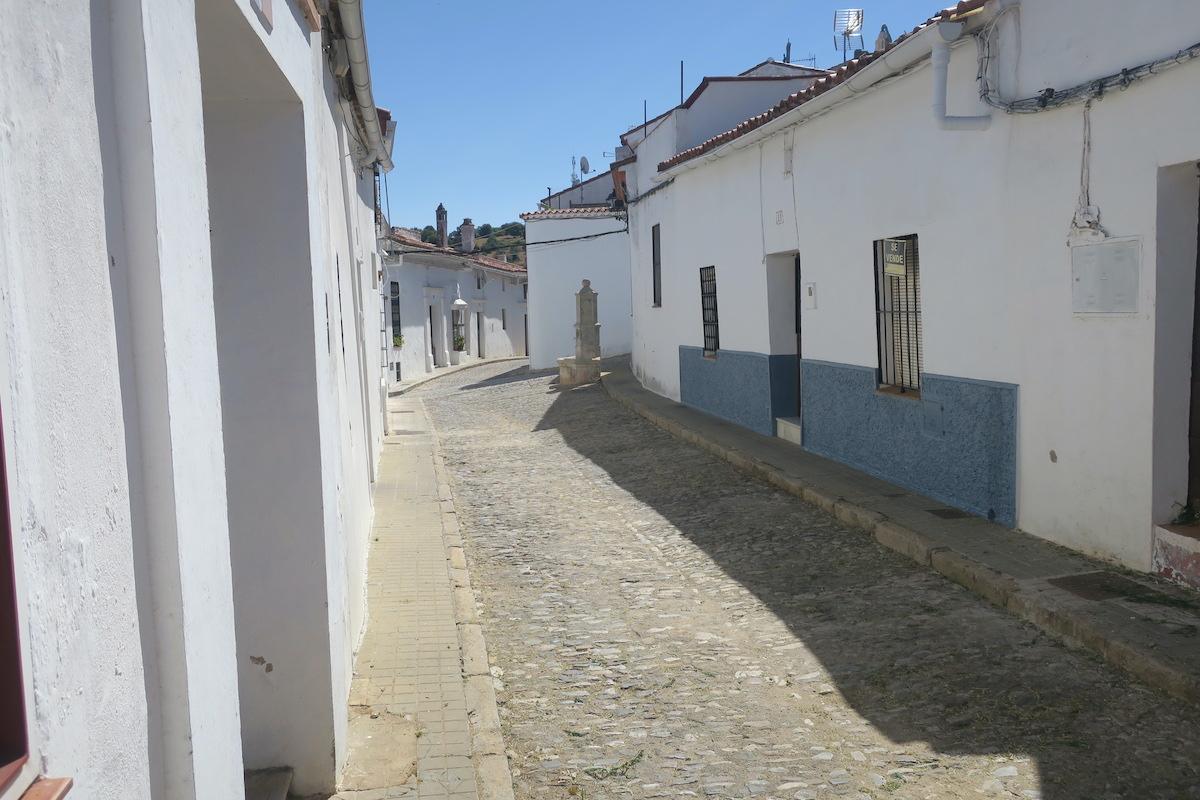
(581,232)
(980,319)
(446,306)
(597,248)
(191,418)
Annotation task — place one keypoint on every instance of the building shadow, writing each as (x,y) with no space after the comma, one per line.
(917,657)
(520,373)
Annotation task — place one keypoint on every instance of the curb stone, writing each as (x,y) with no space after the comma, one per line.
(1005,591)
(493,777)
(457,368)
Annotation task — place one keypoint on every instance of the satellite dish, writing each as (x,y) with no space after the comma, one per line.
(584,167)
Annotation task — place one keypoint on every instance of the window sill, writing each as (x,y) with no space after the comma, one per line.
(656,305)
(894,391)
(711,355)
(10,772)
(48,789)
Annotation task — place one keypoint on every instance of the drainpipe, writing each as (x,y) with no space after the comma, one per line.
(350,12)
(948,32)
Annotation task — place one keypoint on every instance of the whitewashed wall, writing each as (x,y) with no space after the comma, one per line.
(725,103)
(556,272)
(132,675)
(502,299)
(594,190)
(992,211)
(68,493)
(320,383)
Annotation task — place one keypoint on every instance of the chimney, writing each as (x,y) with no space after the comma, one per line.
(467,231)
(441,226)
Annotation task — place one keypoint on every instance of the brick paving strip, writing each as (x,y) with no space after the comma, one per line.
(1133,621)
(423,720)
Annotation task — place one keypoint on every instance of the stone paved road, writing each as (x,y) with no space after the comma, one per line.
(662,626)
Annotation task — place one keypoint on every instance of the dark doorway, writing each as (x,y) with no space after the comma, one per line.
(525,345)
(479,331)
(799,304)
(432,347)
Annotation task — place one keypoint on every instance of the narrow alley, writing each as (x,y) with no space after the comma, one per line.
(661,625)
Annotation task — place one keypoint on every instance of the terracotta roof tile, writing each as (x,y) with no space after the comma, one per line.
(563,213)
(836,76)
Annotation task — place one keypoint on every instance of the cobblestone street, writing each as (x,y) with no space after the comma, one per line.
(661,625)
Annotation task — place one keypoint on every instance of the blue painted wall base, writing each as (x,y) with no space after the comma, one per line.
(957,442)
(750,389)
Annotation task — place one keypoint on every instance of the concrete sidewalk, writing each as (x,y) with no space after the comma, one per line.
(1133,621)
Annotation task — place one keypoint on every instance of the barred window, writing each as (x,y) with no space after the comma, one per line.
(898,312)
(394,293)
(656,263)
(708,309)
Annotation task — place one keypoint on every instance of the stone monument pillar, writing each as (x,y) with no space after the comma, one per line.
(585,366)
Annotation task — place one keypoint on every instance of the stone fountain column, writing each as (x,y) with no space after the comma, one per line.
(585,366)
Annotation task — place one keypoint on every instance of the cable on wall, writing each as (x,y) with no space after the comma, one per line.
(1056,98)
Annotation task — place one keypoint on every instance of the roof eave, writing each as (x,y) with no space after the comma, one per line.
(897,59)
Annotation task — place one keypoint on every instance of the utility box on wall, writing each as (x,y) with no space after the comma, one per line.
(1104,276)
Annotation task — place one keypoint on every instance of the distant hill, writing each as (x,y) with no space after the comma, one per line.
(497,241)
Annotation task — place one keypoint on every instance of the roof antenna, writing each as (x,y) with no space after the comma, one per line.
(787,53)
(681,81)
(847,25)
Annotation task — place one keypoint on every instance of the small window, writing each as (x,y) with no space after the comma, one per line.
(397,330)
(708,310)
(479,280)
(656,263)
(525,291)
(263,7)
(898,313)
(397,370)
(14,746)
(504,319)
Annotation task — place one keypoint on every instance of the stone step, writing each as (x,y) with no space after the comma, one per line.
(268,784)
(788,429)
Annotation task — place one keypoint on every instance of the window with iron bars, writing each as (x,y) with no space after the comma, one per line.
(394,294)
(898,313)
(708,310)
(656,265)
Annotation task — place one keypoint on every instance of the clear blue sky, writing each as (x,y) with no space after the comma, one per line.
(492,99)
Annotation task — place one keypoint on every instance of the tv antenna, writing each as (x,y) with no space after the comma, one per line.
(847,25)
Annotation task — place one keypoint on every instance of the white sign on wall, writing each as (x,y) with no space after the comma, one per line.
(1104,276)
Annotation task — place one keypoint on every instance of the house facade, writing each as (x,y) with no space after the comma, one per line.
(596,248)
(191,416)
(990,303)
(581,232)
(444,306)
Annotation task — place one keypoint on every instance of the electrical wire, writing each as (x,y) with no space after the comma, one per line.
(1056,98)
(511,246)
